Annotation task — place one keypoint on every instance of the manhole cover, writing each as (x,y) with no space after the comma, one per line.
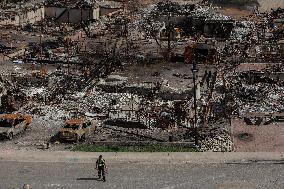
(245,136)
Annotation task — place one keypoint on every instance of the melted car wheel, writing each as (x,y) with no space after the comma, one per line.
(10,136)
(77,139)
(83,138)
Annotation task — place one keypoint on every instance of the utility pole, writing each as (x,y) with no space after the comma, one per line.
(194,71)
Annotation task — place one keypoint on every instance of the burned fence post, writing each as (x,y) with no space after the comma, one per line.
(194,71)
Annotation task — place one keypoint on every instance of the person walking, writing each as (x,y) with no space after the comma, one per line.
(101,167)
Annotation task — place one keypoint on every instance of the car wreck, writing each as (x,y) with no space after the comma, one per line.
(76,130)
(13,124)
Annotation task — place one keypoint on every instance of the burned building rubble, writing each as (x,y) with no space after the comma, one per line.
(175,73)
(191,19)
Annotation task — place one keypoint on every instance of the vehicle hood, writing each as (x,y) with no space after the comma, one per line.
(4,129)
(68,130)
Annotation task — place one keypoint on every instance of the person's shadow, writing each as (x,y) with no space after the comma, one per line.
(90,178)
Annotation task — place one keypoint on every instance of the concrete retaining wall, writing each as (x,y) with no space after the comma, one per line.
(72,15)
(23,18)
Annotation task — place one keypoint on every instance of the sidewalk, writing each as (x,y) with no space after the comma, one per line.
(152,158)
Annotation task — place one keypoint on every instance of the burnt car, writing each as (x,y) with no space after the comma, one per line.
(76,130)
(12,124)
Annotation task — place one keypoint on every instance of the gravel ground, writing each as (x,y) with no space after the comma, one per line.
(268,138)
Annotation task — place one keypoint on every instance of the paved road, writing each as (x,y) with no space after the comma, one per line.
(139,176)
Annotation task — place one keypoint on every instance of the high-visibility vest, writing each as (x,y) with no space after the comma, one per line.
(101,162)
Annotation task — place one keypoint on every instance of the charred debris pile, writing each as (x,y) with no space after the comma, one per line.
(81,69)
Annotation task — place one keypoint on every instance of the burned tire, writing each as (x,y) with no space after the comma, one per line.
(83,138)
(77,139)
(10,136)
(55,138)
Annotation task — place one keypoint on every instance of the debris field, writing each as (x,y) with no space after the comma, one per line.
(172,72)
